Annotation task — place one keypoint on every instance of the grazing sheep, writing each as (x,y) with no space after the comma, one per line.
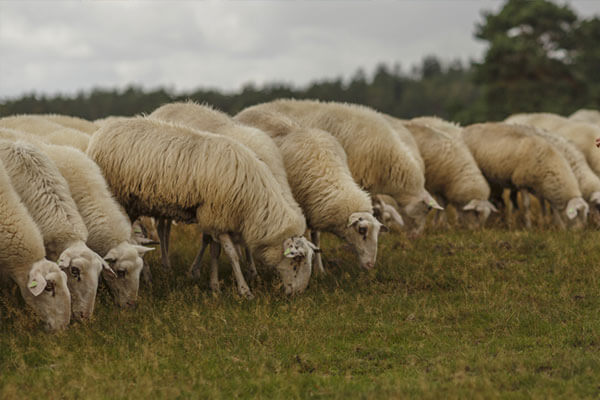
(589,116)
(46,195)
(50,131)
(452,173)
(318,173)
(109,229)
(169,171)
(589,182)
(205,118)
(582,135)
(512,156)
(76,123)
(22,257)
(380,163)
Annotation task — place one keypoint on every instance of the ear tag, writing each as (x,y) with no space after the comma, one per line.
(33,284)
(287,251)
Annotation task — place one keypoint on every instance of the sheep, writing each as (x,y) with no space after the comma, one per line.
(205,118)
(165,170)
(380,163)
(52,132)
(22,256)
(582,135)
(76,123)
(318,173)
(589,182)
(110,232)
(589,116)
(452,173)
(46,195)
(512,156)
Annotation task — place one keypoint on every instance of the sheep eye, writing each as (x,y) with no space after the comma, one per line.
(50,287)
(121,273)
(362,230)
(76,272)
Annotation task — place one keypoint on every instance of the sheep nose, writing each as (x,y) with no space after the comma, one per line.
(131,304)
(369,265)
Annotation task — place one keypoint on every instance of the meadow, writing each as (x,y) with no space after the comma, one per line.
(451,314)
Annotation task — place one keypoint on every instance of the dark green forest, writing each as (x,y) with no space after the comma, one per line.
(540,56)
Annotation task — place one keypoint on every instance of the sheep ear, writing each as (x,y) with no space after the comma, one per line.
(107,268)
(492,207)
(145,241)
(36,284)
(64,261)
(431,203)
(110,259)
(353,219)
(142,249)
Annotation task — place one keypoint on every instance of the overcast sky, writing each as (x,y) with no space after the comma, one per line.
(65,46)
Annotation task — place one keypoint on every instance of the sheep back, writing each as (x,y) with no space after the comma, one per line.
(160,169)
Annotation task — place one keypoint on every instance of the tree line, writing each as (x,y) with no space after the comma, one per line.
(540,56)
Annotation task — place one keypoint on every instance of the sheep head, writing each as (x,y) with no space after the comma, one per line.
(126,261)
(576,206)
(362,232)
(48,294)
(82,267)
(415,212)
(476,212)
(295,266)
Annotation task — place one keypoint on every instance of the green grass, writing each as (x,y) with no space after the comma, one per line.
(454,314)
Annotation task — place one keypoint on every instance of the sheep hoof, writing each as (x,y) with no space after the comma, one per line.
(254,278)
(215,288)
(194,274)
(246,293)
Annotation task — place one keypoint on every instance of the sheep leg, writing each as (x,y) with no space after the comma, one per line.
(194,271)
(251,265)
(525,199)
(315,237)
(164,230)
(558,221)
(215,251)
(146,274)
(231,252)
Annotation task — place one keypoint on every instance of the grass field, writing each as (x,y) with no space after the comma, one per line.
(454,314)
